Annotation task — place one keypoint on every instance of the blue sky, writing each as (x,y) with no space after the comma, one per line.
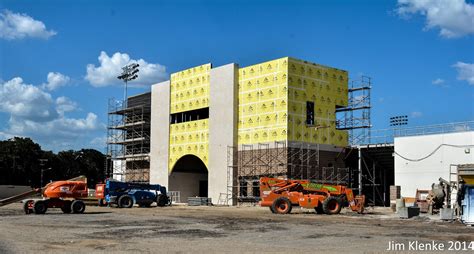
(420,55)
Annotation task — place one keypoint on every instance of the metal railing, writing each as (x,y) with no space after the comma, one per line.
(386,136)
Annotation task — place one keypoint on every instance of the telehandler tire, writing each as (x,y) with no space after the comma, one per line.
(282,205)
(332,205)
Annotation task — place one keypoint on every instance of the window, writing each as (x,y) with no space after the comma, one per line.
(187,116)
(309,113)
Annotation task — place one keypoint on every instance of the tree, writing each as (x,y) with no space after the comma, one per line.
(19,161)
(22,160)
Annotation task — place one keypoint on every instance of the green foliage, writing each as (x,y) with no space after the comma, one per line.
(21,162)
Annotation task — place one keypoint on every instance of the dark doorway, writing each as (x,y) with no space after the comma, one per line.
(189,176)
(203,188)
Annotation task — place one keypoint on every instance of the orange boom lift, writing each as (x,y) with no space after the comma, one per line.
(282,194)
(60,194)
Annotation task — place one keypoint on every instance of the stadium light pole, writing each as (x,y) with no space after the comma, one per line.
(129,73)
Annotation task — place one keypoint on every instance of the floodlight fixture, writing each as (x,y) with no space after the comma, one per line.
(129,73)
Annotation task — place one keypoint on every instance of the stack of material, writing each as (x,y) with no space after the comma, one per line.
(394,195)
(408,212)
(198,201)
(394,192)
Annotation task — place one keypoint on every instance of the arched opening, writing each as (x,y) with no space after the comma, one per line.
(190,177)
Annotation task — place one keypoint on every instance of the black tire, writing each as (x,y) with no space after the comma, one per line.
(282,205)
(125,201)
(26,206)
(162,200)
(77,206)
(40,207)
(66,208)
(319,209)
(332,205)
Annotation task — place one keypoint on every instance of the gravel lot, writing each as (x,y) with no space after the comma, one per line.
(183,229)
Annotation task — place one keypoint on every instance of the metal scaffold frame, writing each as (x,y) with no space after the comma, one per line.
(128,141)
(356,116)
(247,163)
(301,161)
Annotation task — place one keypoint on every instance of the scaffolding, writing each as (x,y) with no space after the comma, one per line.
(252,162)
(356,116)
(247,163)
(303,161)
(128,139)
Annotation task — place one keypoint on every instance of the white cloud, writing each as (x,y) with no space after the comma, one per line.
(64,104)
(26,101)
(58,127)
(416,114)
(440,83)
(18,26)
(34,113)
(55,81)
(110,67)
(454,18)
(465,72)
(437,81)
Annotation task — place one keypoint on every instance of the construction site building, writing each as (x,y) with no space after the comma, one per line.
(215,131)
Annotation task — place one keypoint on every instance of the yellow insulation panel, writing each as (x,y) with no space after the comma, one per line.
(326,87)
(189,138)
(273,96)
(190,89)
(263,102)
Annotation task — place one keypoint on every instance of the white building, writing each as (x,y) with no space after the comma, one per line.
(421,160)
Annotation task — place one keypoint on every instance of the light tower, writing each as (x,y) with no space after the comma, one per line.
(129,73)
(397,122)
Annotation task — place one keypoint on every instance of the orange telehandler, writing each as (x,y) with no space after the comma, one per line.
(282,194)
(60,194)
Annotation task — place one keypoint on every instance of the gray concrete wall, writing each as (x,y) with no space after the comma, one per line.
(186,183)
(160,133)
(223,118)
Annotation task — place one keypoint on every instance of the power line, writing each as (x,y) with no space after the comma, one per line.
(432,153)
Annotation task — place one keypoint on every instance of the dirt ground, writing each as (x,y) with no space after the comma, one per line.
(183,229)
